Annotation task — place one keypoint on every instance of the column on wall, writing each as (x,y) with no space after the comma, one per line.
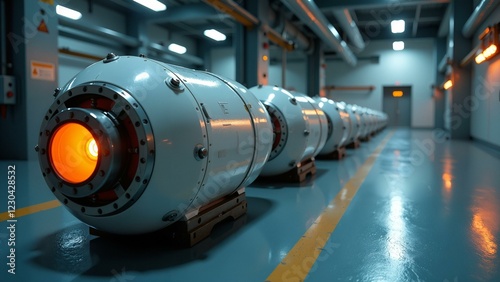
(438,94)
(316,71)
(32,57)
(460,93)
(252,48)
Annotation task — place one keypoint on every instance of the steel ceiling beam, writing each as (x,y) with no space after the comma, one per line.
(421,20)
(423,32)
(186,13)
(444,26)
(101,31)
(367,4)
(384,17)
(415,22)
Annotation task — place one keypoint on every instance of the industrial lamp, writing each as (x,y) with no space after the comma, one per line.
(448,84)
(489,44)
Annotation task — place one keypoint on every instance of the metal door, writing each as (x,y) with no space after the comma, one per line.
(397,105)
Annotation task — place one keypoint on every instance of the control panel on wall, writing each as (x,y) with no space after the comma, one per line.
(7,90)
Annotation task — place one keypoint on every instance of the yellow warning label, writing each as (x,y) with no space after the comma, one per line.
(42,27)
(43,71)
(50,2)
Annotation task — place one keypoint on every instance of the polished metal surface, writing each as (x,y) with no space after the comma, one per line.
(428,210)
(168,140)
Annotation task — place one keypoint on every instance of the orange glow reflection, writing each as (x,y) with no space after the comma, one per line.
(486,238)
(447,180)
(484,227)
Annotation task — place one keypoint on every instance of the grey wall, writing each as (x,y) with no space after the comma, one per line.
(295,76)
(485,98)
(223,62)
(414,66)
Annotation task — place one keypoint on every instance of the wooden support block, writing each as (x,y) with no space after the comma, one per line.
(190,231)
(365,139)
(338,154)
(296,175)
(354,145)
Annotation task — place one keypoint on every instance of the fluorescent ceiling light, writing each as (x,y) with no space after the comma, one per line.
(398,26)
(154,5)
(177,48)
(398,45)
(214,34)
(68,13)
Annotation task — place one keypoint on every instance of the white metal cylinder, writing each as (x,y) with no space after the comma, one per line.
(353,113)
(293,141)
(318,124)
(187,138)
(338,130)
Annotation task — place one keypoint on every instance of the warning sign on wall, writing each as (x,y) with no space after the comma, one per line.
(43,71)
(42,27)
(50,2)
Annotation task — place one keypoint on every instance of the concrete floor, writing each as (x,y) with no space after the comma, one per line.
(428,210)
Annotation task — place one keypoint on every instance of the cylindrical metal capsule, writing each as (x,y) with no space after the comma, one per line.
(338,127)
(296,128)
(131,145)
(318,124)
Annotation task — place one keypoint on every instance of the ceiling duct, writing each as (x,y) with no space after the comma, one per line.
(350,28)
(310,14)
(284,27)
(478,16)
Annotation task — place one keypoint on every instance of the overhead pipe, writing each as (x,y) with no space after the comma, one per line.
(348,88)
(444,26)
(478,16)
(443,63)
(101,31)
(350,28)
(278,39)
(248,20)
(310,14)
(469,57)
(82,55)
(3,51)
(279,23)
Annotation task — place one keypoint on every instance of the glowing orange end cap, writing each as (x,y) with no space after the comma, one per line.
(73,153)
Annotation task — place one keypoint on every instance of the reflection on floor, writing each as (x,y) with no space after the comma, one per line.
(429,210)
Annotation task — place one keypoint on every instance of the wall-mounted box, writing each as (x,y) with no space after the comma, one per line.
(7,90)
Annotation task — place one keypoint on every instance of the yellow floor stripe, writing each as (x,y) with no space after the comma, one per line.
(30,210)
(299,261)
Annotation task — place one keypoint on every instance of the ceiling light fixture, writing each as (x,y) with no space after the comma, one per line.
(154,5)
(68,13)
(398,26)
(179,49)
(214,34)
(398,45)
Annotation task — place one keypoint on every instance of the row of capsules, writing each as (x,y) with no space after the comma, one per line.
(132,145)
(305,128)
